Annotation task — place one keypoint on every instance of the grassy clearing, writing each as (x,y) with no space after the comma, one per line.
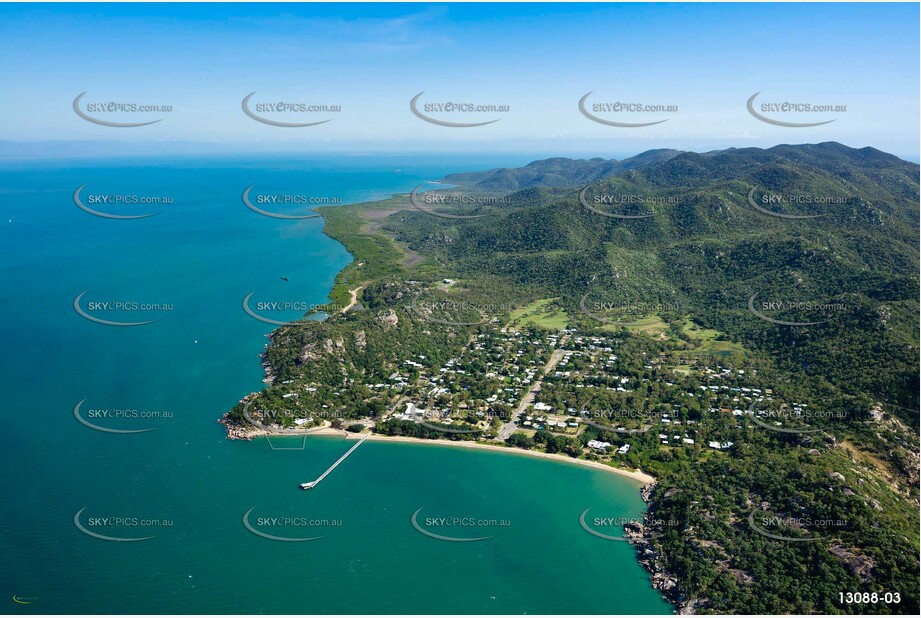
(708,339)
(541,314)
(652,325)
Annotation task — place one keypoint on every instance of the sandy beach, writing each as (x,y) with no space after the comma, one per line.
(636,475)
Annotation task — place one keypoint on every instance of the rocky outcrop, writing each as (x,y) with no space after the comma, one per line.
(859,566)
(641,537)
(308,353)
(646,492)
(389,319)
(237,429)
(268,371)
(239,432)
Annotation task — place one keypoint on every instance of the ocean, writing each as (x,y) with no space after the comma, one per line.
(181,486)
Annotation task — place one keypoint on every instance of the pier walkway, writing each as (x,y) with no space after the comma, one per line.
(313,484)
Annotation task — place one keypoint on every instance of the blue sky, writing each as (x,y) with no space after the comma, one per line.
(538,59)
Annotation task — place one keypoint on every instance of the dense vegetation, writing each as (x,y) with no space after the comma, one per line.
(658,283)
(711,251)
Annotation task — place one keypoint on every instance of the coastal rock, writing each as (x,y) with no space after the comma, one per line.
(663,582)
(635,531)
(646,492)
(267,370)
(236,431)
(641,535)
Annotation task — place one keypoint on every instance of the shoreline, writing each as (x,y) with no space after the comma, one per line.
(635,475)
(638,476)
(645,483)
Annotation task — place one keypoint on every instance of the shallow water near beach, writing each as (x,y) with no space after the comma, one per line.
(183,487)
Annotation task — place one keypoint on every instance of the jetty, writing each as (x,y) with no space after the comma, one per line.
(313,484)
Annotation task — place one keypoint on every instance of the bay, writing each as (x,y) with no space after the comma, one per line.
(198,258)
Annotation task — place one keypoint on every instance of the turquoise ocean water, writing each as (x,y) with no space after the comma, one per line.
(187,487)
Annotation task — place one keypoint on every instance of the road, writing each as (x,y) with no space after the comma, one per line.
(509,428)
(354,300)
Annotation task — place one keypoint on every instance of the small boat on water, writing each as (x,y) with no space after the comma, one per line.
(308,485)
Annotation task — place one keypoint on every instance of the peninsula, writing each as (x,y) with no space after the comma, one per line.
(741,325)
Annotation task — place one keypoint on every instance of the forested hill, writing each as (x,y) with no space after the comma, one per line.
(806,258)
(786,279)
(556,172)
(563,172)
(822,224)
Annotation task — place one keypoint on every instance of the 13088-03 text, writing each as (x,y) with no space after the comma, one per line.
(865,598)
